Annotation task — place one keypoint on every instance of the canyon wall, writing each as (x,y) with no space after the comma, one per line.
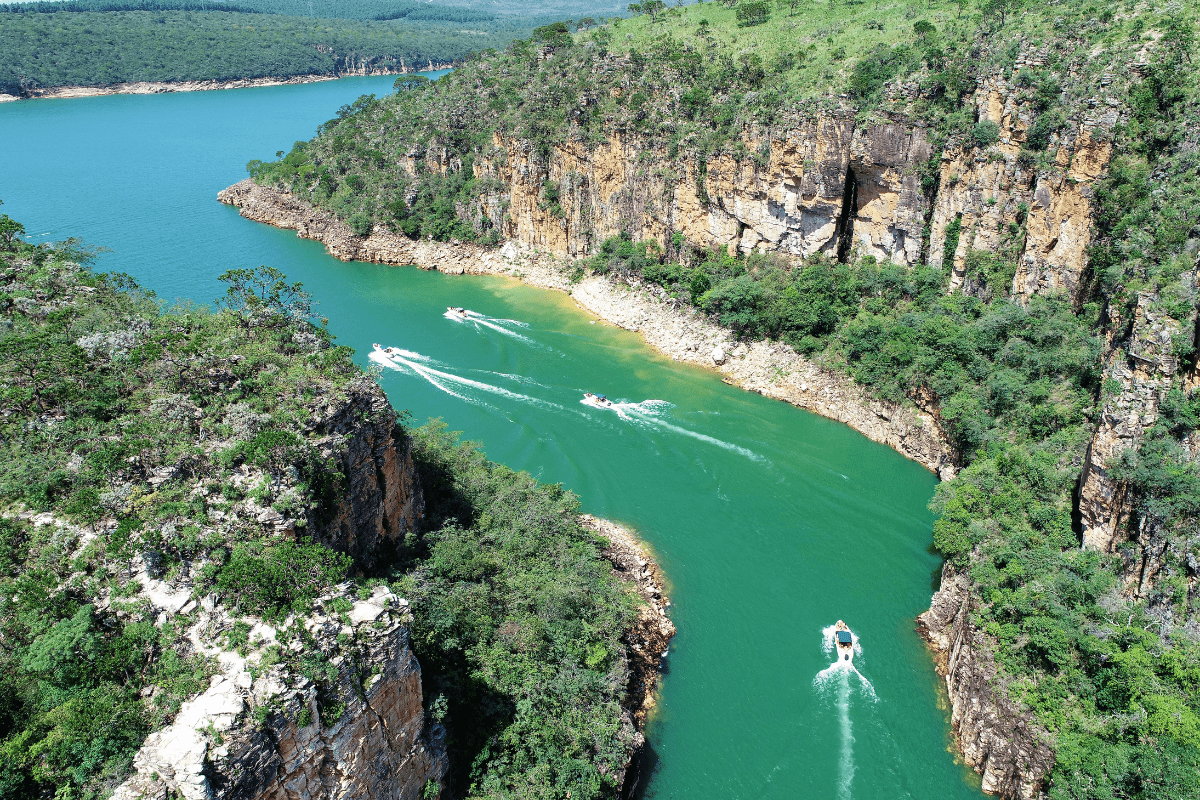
(997,738)
(263,730)
(1141,367)
(827,184)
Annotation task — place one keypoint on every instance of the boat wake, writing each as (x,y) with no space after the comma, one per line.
(839,681)
(455,385)
(646,412)
(498,324)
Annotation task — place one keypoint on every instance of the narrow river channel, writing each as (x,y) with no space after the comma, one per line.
(770,522)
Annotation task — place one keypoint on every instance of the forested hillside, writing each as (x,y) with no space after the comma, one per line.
(354,9)
(638,146)
(101,48)
(206,453)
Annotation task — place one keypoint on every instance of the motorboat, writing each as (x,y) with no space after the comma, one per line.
(458,311)
(387,351)
(843,640)
(596,400)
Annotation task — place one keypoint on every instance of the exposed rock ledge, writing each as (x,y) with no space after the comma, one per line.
(772,369)
(996,737)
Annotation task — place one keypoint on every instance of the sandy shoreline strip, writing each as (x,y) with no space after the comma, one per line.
(167,87)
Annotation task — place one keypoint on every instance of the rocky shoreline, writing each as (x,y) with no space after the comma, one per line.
(996,738)
(167,87)
(649,638)
(772,369)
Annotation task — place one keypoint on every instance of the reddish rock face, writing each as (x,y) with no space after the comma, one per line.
(381,501)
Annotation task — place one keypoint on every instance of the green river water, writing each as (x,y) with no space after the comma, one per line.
(770,522)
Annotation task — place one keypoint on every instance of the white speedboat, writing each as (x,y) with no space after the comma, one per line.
(843,641)
(387,351)
(596,400)
(458,311)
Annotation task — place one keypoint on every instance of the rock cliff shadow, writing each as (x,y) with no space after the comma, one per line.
(935,575)
(642,769)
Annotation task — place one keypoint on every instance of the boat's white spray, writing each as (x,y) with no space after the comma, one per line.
(439,378)
(398,364)
(836,680)
(646,412)
(494,323)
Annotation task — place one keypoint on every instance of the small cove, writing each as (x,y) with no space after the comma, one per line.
(770,522)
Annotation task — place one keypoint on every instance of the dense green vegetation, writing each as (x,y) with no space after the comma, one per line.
(1017,387)
(99,388)
(156,436)
(519,626)
(96,48)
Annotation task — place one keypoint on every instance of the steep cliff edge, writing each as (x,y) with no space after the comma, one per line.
(265,731)
(995,734)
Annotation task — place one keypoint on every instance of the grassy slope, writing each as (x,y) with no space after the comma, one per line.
(1115,681)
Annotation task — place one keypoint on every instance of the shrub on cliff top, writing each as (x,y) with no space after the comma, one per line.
(273,579)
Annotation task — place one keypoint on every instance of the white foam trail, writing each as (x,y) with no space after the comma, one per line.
(846,773)
(489,322)
(437,376)
(644,412)
(411,356)
(516,322)
(391,363)
(501,329)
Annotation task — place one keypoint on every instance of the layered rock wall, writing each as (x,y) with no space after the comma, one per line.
(997,738)
(830,184)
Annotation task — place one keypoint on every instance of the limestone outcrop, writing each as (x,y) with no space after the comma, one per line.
(997,738)
(265,731)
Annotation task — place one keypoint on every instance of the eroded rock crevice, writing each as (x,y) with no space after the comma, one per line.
(845,223)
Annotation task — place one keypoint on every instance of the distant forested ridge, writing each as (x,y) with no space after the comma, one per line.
(98,48)
(328,9)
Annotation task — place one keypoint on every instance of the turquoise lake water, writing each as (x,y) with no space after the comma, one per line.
(770,522)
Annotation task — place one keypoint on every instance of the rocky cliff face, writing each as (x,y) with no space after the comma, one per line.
(829,184)
(1141,367)
(995,735)
(321,706)
(264,731)
(382,501)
